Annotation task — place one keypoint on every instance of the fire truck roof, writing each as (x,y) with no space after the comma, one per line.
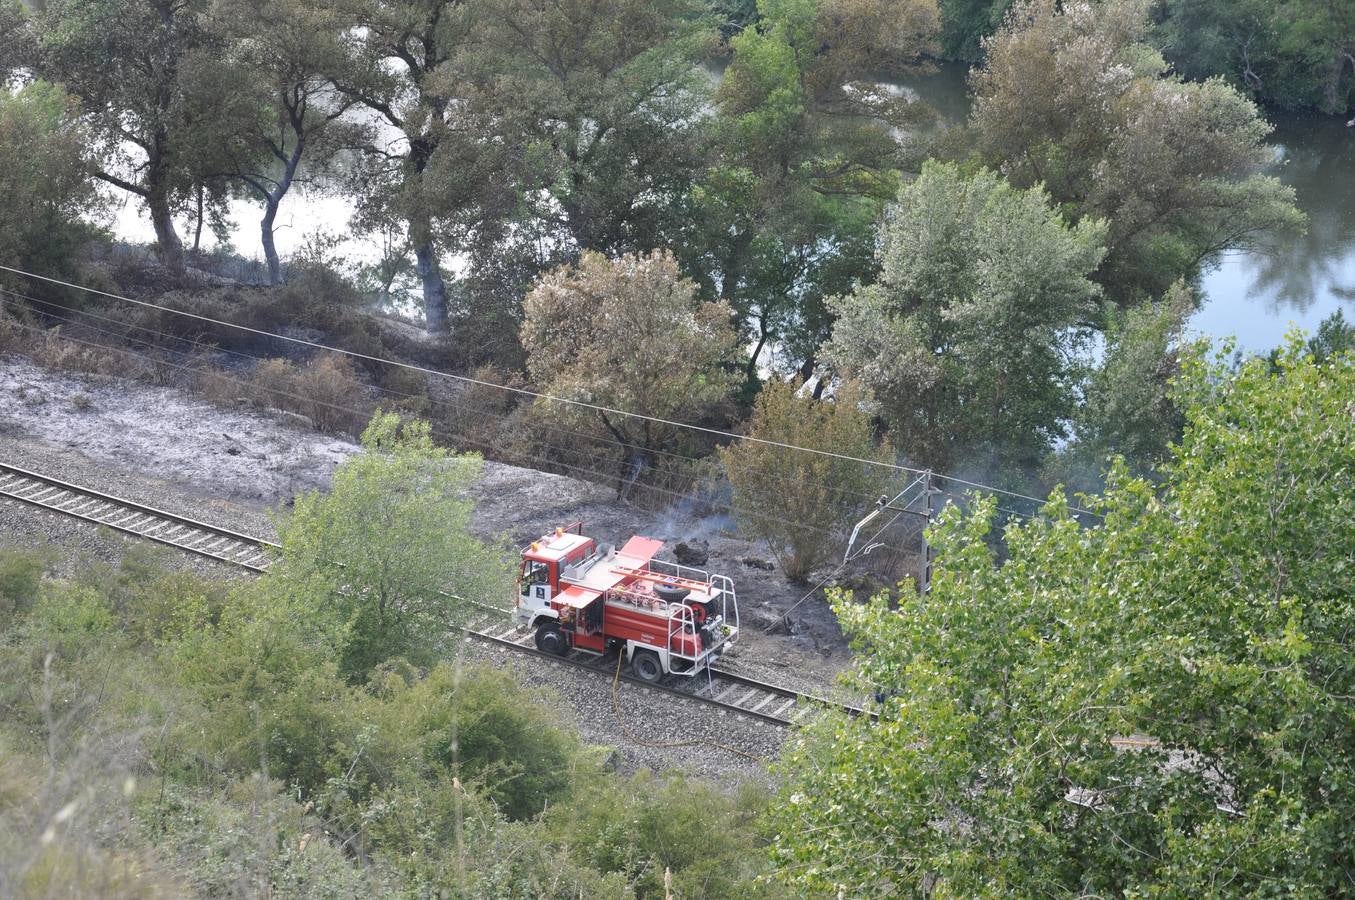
(557,546)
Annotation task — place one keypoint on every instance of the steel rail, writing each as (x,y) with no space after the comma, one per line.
(771,703)
(180,532)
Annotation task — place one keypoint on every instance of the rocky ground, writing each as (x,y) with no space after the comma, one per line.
(234,467)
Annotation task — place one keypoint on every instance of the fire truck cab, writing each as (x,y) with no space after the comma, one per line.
(666,618)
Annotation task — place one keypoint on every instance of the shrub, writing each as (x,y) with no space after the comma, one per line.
(645,826)
(325,390)
(387,544)
(20,579)
(67,617)
(330,395)
(803,504)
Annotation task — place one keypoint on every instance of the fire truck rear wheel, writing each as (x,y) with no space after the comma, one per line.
(550,640)
(645,665)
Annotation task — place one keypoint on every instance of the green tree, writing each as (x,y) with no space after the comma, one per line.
(607,97)
(1334,335)
(406,63)
(802,504)
(1074,98)
(966,23)
(278,110)
(387,552)
(1126,408)
(1156,705)
(1293,53)
(124,60)
(631,335)
(804,153)
(45,180)
(974,339)
(15,37)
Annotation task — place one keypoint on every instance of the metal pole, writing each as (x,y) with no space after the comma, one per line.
(926,544)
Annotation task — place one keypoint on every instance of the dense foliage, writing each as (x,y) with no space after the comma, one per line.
(166,735)
(797,484)
(628,335)
(972,339)
(1293,53)
(387,550)
(1157,704)
(1074,98)
(763,149)
(44,180)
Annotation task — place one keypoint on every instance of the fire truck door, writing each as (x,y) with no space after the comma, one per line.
(536,584)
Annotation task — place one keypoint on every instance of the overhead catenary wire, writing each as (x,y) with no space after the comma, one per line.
(449,436)
(466,379)
(676,496)
(207,347)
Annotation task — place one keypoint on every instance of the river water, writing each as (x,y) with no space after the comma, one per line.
(1301,279)
(1254,296)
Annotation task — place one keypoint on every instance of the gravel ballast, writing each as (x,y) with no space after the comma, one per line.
(231,468)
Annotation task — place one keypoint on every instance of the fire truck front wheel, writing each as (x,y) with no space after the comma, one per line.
(550,640)
(645,665)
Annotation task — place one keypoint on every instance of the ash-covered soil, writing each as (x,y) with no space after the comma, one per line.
(235,466)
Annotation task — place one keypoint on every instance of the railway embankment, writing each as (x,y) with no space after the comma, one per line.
(235,467)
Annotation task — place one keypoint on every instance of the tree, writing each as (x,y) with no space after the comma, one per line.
(607,97)
(270,90)
(801,503)
(45,180)
(1334,335)
(124,61)
(15,37)
(1126,407)
(1156,705)
(1295,53)
(805,153)
(973,340)
(1072,97)
(388,551)
(631,335)
(966,23)
(405,63)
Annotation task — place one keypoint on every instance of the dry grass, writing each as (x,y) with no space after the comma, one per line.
(325,390)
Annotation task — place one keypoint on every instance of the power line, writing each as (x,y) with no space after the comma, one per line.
(658,420)
(400,395)
(443,433)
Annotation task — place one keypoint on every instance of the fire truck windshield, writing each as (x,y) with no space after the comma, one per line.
(537,573)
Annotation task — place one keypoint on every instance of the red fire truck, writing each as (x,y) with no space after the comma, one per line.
(582,595)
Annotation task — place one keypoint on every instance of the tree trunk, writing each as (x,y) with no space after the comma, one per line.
(197,226)
(273,199)
(171,248)
(434,289)
(270,250)
(750,374)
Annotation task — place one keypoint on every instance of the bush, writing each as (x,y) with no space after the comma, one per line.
(645,826)
(67,617)
(803,504)
(477,724)
(325,390)
(21,574)
(249,838)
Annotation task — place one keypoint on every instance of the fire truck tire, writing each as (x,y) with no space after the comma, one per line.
(645,665)
(550,640)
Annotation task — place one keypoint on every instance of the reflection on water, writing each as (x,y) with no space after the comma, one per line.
(1297,279)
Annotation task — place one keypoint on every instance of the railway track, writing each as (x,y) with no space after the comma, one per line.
(723,689)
